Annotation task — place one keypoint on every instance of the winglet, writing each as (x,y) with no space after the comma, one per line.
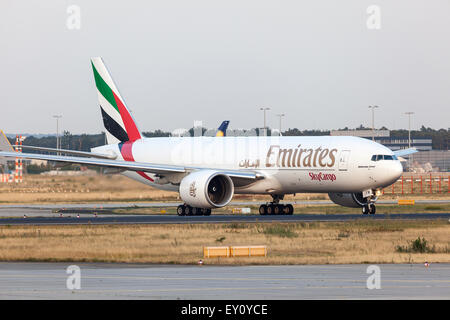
(405,152)
(4,143)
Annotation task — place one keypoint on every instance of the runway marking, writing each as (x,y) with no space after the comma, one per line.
(216,278)
(148,290)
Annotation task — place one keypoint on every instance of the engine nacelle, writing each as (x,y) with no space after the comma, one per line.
(352,200)
(206,189)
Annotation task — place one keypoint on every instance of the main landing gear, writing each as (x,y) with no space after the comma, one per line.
(186,210)
(275,208)
(369,208)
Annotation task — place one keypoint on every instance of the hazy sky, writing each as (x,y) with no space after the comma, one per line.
(179,61)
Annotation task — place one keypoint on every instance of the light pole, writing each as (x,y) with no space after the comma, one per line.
(265,127)
(57,117)
(280,115)
(409,113)
(373,121)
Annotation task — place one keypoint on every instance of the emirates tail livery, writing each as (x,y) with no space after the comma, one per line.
(208,171)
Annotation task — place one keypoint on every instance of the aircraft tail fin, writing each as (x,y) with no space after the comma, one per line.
(222,131)
(117,119)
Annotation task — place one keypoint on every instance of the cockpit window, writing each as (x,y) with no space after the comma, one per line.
(378,157)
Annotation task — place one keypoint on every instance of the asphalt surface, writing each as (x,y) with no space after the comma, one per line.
(101,213)
(121,281)
(174,219)
(174,204)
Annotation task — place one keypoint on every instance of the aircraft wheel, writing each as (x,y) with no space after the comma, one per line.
(188,210)
(207,212)
(365,209)
(290,209)
(196,211)
(180,210)
(263,209)
(270,209)
(277,209)
(372,209)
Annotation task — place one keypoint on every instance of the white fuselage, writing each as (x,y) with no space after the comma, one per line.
(288,164)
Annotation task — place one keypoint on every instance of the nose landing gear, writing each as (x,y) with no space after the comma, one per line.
(369,208)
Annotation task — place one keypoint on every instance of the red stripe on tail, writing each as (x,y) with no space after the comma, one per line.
(130,126)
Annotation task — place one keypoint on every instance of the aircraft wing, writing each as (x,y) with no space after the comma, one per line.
(74,152)
(405,152)
(129,165)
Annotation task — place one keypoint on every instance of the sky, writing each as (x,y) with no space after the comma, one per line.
(321,63)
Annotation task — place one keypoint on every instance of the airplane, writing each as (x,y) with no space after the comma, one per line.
(207,172)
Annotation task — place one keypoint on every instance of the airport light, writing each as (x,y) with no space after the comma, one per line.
(265,127)
(57,117)
(373,121)
(280,115)
(409,113)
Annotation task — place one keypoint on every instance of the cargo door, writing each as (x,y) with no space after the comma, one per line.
(343,160)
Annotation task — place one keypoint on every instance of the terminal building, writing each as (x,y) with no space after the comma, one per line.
(426,160)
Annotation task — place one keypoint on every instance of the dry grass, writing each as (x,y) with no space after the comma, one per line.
(117,188)
(77,189)
(301,243)
(99,188)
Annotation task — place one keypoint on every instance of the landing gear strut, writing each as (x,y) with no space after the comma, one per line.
(275,208)
(186,210)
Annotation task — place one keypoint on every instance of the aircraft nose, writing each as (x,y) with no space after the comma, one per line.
(391,173)
(397,170)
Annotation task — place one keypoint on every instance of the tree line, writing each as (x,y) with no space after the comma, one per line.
(84,142)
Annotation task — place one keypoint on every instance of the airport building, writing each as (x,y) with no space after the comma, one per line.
(426,160)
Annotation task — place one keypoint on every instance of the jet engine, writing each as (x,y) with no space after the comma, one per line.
(352,200)
(206,189)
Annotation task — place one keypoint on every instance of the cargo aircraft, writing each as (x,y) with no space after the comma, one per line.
(208,171)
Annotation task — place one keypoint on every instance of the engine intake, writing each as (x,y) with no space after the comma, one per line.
(206,189)
(352,200)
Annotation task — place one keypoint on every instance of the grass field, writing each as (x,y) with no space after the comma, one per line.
(388,241)
(117,188)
